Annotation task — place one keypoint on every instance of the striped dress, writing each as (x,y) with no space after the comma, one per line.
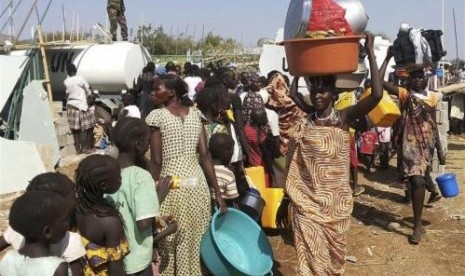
(321,198)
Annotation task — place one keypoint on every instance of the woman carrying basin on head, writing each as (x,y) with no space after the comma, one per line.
(319,196)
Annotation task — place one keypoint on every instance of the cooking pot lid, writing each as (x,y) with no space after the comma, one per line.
(298,15)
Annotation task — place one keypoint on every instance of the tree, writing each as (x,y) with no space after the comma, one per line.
(158,42)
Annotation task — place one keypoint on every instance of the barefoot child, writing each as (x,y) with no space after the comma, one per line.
(98,220)
(70,247)
(137,199)
(221,148)
(41,219)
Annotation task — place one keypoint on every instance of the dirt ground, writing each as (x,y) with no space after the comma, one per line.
(379,250)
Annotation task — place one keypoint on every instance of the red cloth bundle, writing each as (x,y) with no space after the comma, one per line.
(327,15)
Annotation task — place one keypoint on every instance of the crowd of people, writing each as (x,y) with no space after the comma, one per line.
(202,127)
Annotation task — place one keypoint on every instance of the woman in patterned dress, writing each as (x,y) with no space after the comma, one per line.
(417,138)
(177,136)
(318,175)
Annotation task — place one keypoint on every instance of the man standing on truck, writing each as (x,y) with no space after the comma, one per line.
(115,9)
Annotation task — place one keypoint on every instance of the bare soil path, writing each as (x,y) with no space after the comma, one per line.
(378,249)
(382,250)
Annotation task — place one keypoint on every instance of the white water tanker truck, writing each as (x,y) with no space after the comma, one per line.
(110,69)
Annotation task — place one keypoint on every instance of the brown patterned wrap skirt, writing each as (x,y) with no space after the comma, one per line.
(321,198)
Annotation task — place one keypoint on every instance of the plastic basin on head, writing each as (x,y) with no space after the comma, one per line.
(236,245)
(448,184)
(322,56)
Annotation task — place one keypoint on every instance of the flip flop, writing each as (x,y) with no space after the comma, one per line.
(358,190)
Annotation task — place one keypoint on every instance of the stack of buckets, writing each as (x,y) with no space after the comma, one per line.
(272,196)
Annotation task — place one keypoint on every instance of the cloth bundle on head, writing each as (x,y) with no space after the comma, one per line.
(421,46)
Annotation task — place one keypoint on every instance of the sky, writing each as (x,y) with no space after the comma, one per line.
(244,20)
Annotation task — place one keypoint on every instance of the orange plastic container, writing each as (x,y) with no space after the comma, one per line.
(322,56)
(273,198)
(386,113)
(257,175)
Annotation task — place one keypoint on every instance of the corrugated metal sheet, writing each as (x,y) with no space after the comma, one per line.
(11,68)
(19,163)
(36,119)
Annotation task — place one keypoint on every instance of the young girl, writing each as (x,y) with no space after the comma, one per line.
(178,136)
(257,139)
(41,219)
(81,119)
(137,199)
(98,220)
(70,248)
(318,174)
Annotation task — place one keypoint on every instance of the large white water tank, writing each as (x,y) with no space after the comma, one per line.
(111,67)
(108,68)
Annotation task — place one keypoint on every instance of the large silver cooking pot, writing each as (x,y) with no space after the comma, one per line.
(298,15)
(355,14)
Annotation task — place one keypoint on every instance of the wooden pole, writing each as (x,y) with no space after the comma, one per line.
(45,64)
(442,23)
(456,43)
(64,22)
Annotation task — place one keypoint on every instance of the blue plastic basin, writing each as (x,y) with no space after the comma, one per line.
(448,185)
(236,245)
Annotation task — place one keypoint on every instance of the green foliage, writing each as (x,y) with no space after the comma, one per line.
(158,42)
(458,63)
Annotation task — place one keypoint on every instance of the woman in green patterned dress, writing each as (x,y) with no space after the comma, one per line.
(178,148)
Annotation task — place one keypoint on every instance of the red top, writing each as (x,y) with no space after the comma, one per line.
(369,140)
(254,144)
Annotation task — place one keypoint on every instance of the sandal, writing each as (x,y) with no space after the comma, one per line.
(358,190)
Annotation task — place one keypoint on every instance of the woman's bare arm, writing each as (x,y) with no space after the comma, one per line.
(294,94)
(364,106)
(206,163)
(155,152)
(391,88)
